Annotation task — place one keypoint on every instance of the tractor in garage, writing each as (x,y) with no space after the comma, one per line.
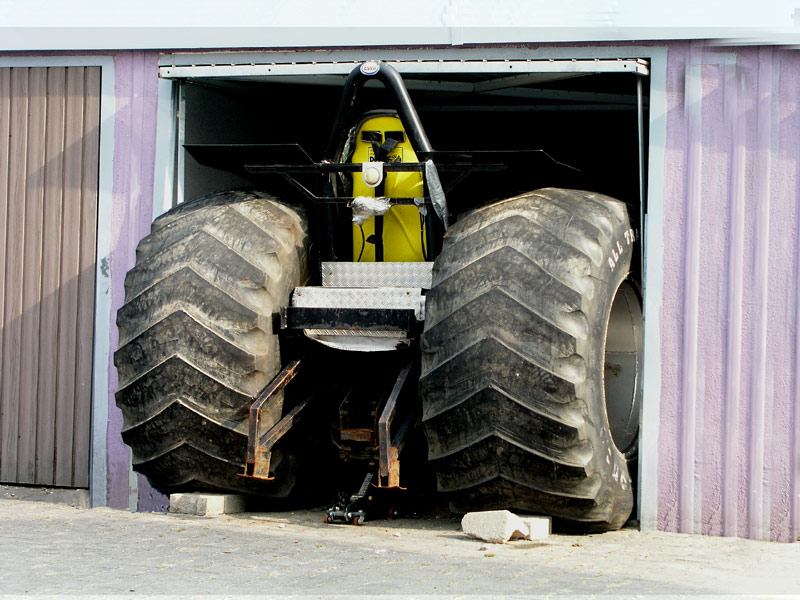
(265,341)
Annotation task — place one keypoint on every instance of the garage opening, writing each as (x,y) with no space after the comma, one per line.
(558,124)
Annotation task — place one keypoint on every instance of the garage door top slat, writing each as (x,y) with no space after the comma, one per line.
(214,65)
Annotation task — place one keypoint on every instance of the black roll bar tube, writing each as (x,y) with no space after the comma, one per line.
(393,82)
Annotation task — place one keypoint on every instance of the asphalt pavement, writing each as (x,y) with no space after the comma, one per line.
(55,548)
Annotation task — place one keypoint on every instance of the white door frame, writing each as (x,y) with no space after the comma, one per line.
(255,64)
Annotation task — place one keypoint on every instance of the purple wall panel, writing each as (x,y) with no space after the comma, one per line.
(789,116)
(783,438)
(675,215)
(728,438)
(136,76)
(711,331)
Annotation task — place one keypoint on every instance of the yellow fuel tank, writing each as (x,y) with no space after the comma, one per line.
(403,226)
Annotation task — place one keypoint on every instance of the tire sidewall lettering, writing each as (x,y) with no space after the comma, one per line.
(618,249)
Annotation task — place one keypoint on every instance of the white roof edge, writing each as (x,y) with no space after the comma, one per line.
(505,66)
(409,54)
(38,39)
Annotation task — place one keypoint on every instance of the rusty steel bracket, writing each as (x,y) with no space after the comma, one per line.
(259,444)
(389,462)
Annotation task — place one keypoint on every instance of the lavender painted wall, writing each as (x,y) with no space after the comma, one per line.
(134,164)
(728,460)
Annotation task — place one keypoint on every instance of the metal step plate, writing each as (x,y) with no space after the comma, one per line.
(378,274)
(352,341)
(361,297)
(365,297)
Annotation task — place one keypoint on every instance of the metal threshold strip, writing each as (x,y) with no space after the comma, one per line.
(508,69)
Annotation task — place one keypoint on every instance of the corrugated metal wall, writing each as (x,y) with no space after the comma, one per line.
(729,432)
(49,145)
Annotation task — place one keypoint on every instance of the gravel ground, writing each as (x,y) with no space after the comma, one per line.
(52,548)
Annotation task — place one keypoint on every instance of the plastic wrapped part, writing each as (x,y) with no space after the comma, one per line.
(436,191)
(420,204)
(365,207)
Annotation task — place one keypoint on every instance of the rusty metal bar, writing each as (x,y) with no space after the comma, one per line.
(393,466)
(282,427)
(399,439)
(258,454)
(389,465)
(263,452)
(361,434)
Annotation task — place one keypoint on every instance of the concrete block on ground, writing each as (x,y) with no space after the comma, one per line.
(539,528)
(495,526)
(206,505)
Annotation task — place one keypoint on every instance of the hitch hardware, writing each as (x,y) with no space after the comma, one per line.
(389,465)
(354,509)
(259,445)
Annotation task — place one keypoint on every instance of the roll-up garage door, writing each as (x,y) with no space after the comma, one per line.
(49,153)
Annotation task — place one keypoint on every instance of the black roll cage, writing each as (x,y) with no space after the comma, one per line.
(327,223)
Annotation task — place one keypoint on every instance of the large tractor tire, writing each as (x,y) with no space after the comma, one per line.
(196,341)
(513,358)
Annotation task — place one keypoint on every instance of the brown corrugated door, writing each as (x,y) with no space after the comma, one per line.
(49,157)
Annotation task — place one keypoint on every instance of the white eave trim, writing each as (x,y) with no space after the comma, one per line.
(250,71)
